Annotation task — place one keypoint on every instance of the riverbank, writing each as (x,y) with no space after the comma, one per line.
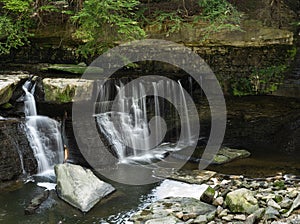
(271,197)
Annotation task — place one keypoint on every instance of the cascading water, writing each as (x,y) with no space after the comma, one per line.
(127,132)
(43,134)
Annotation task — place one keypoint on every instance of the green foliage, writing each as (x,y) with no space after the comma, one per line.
(104,23)
(220,15)
(168,22)
(14,24)
(292,52)
(261,81)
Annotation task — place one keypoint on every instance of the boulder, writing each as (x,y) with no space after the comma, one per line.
(80,187)
(36,202)
(62,90)
(208,195)
(181,208)
(242,201)
(226,155)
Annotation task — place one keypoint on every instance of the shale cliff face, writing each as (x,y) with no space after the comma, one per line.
(16,156)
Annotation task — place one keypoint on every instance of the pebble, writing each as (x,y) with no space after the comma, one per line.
(228,217)
(286,203)
(275,201)
(223,213)
(201,219)
(218,201)
(273,204)
(241,217)
(293,193)
(250,219)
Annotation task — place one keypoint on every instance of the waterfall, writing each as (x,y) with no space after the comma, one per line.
(43,134)
(186,115)
(127,129)
(29,101)
(157,111)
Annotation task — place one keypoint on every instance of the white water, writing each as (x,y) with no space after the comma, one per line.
(43,134)
(186,115)
(172,188)
(127,129)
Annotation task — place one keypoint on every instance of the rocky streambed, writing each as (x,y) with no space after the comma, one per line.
(228,199)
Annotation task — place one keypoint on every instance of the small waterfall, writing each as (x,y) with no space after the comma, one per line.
(186,115)
(29,101)
(127,129)
(43,134)
(157,111)
(123,129)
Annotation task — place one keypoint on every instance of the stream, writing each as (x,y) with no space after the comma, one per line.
(44,135)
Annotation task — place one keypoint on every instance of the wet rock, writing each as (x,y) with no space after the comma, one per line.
(242,200)
(183,208)
(208,195)
(15,151)
(80,187)
(36,202)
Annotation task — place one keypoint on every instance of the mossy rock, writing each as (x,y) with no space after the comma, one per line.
(226,155)
(6,106)
(242,201)
(72,68)
(208,195)
(62,90)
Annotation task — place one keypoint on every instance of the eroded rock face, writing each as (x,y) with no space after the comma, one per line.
(242,200)
(8,84)
(14,149)
(80,187)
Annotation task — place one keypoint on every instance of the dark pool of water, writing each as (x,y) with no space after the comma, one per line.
(261,163)
(115,209)
(127,199)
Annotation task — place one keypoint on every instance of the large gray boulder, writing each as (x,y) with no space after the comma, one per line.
(80,187)
(242,200)
(173,208)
